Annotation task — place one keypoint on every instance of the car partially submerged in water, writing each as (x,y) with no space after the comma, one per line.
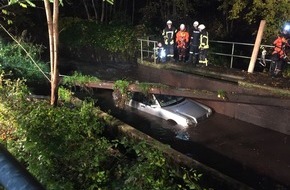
(182,111)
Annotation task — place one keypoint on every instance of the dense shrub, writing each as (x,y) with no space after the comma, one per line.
(83,34)
(14,60)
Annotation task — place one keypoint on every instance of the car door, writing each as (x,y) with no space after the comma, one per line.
(145,103)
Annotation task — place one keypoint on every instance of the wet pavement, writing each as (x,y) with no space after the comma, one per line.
(253,155)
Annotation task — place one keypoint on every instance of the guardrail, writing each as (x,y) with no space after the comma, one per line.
(147,47)
(232,54)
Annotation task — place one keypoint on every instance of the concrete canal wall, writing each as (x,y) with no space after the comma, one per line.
(260,109)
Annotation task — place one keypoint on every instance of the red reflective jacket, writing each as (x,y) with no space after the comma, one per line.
(280,44)
(182,38)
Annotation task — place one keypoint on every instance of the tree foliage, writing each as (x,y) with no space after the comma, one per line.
(116,39)
(15,61)
(157,11)
(274,12)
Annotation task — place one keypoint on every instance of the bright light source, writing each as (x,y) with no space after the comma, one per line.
(162,53)
(287,27)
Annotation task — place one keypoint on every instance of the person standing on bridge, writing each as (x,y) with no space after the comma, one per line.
(203,46)
(182,39)
(194,45)
(168,34)
(279,55)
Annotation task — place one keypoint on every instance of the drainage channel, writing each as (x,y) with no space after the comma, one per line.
(208,143)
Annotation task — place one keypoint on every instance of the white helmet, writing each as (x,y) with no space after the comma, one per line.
(169,22)
(182,27)
(201,27)
(195,24)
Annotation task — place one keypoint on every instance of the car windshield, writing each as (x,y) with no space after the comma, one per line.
(165,100)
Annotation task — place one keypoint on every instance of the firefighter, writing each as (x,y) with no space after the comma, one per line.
(182,38)
(203,46)
(279,56)
(194,44)
(168,34)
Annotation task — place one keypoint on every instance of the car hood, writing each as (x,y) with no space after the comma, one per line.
(188,108)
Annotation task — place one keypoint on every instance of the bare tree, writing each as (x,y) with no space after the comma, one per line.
(52,23)
(95,9)
(87,9)
(52,17)
(103,12)
(133,11)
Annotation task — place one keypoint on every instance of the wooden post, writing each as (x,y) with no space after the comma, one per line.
(256,46)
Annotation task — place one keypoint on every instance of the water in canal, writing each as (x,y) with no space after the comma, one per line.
(238,149)
(206,143)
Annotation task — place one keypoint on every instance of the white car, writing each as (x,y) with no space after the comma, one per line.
(182,111)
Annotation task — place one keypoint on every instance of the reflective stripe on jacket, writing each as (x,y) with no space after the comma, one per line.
(168,35)
(204,40)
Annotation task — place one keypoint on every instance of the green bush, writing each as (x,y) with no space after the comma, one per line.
(14,60)
(78,33)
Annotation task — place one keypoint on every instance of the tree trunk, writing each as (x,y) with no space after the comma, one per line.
(87,10)
(107,12)
(120,5)
(95,10)
(133,11)
(52,23)
(54,82)
(162,11)
(125,8)
(174,10)
(110,12)
(103,11)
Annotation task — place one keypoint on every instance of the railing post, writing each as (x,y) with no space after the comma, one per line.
(141,50)
(154,53)
(148,43)
(232,56)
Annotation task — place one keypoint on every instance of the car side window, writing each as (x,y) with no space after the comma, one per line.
(137,97)
(145,99)
(140,97)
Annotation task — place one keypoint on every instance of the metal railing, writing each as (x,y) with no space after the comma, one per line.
(232,54)
(147,47)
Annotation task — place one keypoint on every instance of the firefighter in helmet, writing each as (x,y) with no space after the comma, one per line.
(182,38)
(168,34)
(203,46)
(194,44)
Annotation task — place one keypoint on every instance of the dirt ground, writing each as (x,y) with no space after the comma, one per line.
(260,78)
